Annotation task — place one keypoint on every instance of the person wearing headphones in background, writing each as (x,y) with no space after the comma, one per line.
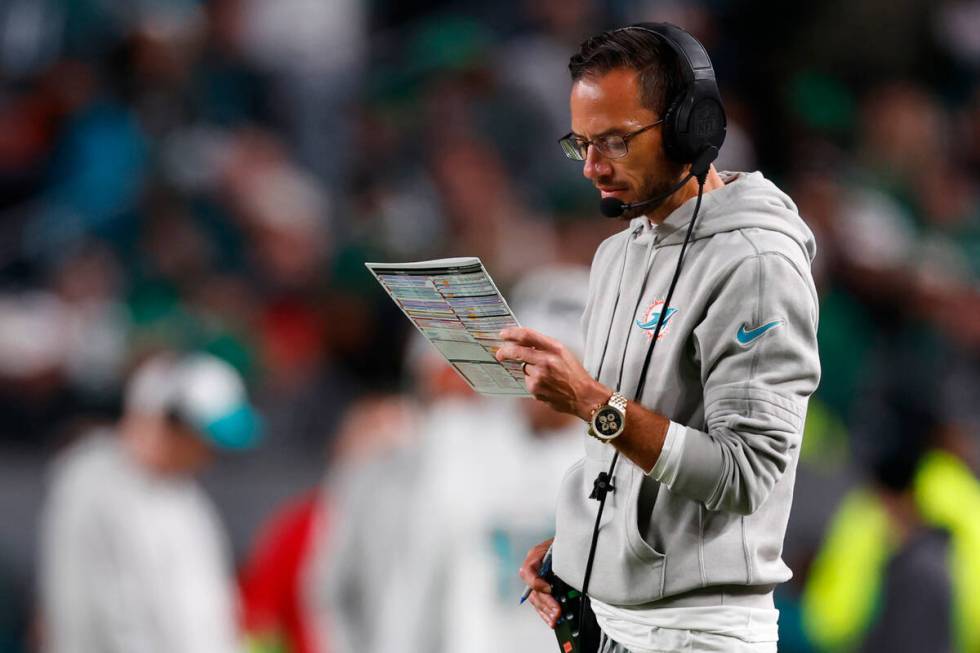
(133,556)
(687,551)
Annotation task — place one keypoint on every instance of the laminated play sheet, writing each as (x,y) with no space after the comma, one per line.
(457,307)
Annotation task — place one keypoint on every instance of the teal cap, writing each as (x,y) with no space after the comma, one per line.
(201,390)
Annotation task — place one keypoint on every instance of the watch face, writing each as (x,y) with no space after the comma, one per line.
(608,422)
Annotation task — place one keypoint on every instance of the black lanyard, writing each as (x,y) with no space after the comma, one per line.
(603,482)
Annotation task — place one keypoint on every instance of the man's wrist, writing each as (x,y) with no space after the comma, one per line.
(596,395)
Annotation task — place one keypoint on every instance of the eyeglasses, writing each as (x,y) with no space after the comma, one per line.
(613,146)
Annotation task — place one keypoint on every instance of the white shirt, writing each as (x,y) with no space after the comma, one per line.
(670,629)
(131,562)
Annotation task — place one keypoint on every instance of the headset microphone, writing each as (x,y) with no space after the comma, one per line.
(613,208)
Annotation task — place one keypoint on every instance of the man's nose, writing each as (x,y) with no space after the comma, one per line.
(595,165)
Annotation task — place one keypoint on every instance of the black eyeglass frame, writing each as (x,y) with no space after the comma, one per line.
(570,143)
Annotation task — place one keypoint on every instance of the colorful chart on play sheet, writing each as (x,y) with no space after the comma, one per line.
(457,307)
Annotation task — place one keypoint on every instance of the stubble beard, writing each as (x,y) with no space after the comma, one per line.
(658,185)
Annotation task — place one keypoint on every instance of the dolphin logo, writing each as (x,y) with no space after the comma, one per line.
(654,318)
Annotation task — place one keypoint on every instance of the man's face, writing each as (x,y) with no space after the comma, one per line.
(610,104)
(189,453)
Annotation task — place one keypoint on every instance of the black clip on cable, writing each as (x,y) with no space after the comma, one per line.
(603,482)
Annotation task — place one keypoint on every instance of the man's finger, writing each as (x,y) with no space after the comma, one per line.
(515,352)
(530,338)
(528,574)
(547,607)
(530,577)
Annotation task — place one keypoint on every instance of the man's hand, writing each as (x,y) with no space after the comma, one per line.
(552,373)
(540,597)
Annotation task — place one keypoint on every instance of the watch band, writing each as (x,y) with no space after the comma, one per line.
(618,401)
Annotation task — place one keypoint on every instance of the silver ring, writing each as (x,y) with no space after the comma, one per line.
(524,367)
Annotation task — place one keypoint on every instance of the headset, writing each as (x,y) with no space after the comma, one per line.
(694,122)
(695,119)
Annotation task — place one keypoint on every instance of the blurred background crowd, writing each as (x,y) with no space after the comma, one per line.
(211,175)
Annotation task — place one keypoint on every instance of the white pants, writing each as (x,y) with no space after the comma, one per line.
(692,641)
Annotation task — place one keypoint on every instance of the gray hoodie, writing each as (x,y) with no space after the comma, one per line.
(735,364)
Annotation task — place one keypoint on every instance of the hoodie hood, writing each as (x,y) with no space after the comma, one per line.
(747,200)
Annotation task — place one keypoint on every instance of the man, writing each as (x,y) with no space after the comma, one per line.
(688,548)
(133,555)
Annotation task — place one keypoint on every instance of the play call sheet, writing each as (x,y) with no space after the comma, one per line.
(457,307)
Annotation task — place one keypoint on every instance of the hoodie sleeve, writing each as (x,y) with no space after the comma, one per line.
(759,364)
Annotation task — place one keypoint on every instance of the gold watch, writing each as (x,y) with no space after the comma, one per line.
(608,420)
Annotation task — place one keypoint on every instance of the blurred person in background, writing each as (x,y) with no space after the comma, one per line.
(486,488)
(898,569)
(371,483)
(314,55)
(319,572)
(133,556)
(371,567)
(297,598)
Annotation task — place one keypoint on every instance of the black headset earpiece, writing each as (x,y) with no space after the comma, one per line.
(695,118)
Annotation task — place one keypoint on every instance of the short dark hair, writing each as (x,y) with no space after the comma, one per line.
(637,49)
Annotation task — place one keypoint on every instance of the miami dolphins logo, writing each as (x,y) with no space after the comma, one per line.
(652,316)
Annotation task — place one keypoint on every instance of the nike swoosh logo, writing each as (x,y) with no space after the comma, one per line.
(745,337)
(654,318)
